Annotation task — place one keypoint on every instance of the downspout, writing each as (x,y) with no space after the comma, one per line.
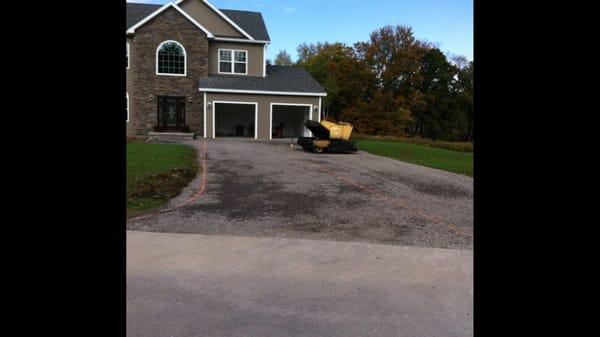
(265,60)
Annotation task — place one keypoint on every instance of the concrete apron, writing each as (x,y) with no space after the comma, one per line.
(192,285)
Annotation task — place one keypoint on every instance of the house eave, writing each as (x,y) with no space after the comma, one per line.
(263,92)
(228,39)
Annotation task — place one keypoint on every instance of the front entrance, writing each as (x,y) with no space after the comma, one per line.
(171,113)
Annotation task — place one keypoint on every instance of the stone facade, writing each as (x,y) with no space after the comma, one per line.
(146,85)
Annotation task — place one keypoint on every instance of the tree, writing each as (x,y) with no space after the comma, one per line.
(436,79)
(283,59)
(463,90)
(394,84)
(308,51)
(382,115)
(394,55)
(336,67)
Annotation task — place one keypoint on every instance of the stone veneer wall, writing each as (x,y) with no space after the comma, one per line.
(169,25)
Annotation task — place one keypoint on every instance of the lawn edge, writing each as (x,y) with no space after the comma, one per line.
(427,167)
(136,213)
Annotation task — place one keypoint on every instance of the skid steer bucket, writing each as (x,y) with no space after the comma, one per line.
(328,137)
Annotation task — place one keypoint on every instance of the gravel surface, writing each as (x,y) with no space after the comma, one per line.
(268,189)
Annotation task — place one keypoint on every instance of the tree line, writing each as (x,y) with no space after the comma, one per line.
(392,84)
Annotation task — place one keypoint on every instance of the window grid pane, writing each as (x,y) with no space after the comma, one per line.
(171,59)
(240,56)
(225,67)
(240,68)
(225,55)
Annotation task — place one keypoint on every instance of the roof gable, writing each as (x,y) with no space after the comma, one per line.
(250,22)
(162,9)
(231,23)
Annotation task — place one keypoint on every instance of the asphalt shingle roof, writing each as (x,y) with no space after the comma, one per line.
(137,12)
(251,22)
(279,78)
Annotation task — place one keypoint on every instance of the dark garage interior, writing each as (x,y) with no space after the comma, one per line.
(288,121)
(234,120)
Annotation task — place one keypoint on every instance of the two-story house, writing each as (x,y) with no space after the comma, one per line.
(193,68)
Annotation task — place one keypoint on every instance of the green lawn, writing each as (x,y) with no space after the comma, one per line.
(452,161)
(157,173)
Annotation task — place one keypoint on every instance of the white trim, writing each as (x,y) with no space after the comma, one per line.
(310,107)
(196,23)
(184,56)
(214,108)
(320,109)
(265,60)
(231,39)
(204,115)
(128,56)
(233,61)
(160,10)
(227,19)
(262,92)
(216,10)
(127,98)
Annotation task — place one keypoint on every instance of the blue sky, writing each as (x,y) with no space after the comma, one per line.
(447,23)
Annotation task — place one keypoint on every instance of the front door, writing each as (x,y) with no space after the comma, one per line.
(171,113)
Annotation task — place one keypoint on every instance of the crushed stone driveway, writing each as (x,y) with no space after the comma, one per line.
(268,189)
(213,285)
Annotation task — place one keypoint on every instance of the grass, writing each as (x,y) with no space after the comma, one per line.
(157,173)
(447,160)
(454,146)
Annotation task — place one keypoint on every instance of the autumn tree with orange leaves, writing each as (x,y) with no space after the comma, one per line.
(394,84)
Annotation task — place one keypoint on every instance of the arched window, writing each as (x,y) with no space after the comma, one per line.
(170,59)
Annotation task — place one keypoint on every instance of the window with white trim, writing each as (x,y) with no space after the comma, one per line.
(127,55)
(170,59)
(127,106)
(233,61)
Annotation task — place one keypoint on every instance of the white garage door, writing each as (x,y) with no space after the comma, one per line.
(287,120)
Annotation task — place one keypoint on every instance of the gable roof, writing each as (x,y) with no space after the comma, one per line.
(137,12)
(250,22)
(282,80)
(223,16)
(132,29)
